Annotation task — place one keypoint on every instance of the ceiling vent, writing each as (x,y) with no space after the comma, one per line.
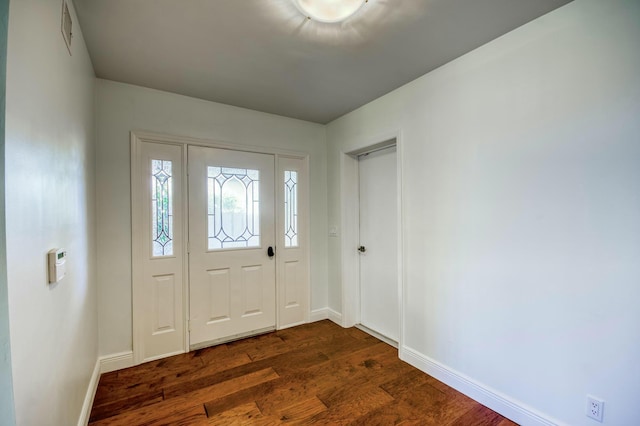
(66,25)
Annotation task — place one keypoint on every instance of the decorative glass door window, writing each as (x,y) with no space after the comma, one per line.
(290,208)
(233,208)
(161,208)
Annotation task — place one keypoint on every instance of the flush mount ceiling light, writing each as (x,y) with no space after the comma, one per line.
(329,11)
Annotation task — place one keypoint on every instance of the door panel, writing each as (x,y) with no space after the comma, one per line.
(251,290)
(291,280)
(379,310)
(158,244)
(219,295)
(231,226)
(293,263)
(164,304)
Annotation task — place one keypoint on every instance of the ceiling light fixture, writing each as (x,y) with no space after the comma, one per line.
(329,11)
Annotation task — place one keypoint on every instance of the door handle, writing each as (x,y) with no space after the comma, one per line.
(362,249)
(270,252)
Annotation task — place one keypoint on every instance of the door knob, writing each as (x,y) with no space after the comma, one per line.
(270,252)
(362,249)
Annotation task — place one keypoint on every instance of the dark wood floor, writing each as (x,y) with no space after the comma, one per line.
(316,373)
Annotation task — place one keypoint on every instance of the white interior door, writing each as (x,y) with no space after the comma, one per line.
(231,227)
(379,310)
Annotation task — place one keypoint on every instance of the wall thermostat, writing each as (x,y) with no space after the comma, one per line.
(57,267)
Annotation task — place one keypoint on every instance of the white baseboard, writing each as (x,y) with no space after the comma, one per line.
(115,362)
(326,313)
(319,315)
(498,402)
(335,316)
(91,393)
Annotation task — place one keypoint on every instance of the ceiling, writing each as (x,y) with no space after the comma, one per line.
(264,55)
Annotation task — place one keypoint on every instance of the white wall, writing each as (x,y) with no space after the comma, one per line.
(122,108)
(50,160)
(6,382)
(521,180)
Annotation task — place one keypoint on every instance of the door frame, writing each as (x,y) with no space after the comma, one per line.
(137,137)
(350,224)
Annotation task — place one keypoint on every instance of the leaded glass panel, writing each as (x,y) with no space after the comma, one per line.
(290,208)
(161,208)
(233,208)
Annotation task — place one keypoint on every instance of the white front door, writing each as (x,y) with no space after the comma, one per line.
(379,310)
(231,231)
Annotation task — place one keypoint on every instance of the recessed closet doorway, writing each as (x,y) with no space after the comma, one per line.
(372,238)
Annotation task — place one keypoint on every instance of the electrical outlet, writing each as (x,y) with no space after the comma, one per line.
(595,408)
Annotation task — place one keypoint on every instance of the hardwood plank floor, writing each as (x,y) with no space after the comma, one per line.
(315,373)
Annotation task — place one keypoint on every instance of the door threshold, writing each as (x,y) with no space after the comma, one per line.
(232,338)
(377,335)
